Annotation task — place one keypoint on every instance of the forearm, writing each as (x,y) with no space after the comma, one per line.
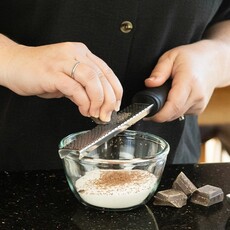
(220,34)
(7,49)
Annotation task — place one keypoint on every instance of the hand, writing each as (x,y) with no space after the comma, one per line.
(45,71)
(195,70)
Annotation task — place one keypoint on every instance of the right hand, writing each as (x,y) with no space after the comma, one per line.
(45,71)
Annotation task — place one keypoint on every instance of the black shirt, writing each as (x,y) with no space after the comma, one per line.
(31,127)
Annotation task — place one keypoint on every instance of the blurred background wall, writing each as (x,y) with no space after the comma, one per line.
(214,125)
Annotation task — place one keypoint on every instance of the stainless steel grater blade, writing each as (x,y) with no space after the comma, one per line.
(90,140)
(146,102)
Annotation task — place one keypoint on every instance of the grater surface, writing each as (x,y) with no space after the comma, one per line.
(90,140)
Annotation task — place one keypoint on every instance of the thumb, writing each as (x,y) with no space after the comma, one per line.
(161,72)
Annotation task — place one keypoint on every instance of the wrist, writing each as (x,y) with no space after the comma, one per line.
(219,52)
(8,50)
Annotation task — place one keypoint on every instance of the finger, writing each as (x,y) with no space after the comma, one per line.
(99,91)
(110,76)
(197,103)
(161,72)
(74,91)
(199,97)
(110,101)
(89,78)
(177,102)
(110,89)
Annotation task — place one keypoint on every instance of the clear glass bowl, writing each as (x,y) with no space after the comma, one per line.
(121,174)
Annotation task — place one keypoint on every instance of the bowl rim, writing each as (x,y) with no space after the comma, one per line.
(74,154)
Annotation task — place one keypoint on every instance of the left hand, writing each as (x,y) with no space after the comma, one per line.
(194,70)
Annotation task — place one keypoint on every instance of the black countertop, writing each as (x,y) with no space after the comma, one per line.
(43,200)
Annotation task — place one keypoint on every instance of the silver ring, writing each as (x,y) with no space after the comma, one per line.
(74,68)
(181,118)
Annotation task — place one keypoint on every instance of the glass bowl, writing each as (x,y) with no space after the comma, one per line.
(121,174)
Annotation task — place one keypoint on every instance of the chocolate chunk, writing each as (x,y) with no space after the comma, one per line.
(98,121)
(207,195)
(170,197)
(228,197)
(183,184)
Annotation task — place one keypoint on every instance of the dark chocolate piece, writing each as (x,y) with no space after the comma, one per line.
(207,195)
(170,197)
(228,197)
(183,184)
(98,121)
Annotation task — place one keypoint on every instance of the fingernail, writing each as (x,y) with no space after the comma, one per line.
(118,104)
(151,78)
(95,114)
(108,117)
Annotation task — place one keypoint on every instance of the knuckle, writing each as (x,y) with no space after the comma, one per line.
(91,75)
(100,99)
(112,100)
(72,46)
(108,71)
(110,103)
(65,50)
(100,75)
(97,98)
(176,108)
(200,105)
(68,46)
(82,46)
(200,100)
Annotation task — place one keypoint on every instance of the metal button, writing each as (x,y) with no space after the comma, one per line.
(126,27)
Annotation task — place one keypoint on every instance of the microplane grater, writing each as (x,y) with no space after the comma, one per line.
(145,103)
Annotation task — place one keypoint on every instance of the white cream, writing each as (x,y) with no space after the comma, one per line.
(115,189)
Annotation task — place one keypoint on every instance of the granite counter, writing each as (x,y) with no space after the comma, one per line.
(43,200)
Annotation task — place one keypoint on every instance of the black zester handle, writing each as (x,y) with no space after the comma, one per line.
(156,96)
